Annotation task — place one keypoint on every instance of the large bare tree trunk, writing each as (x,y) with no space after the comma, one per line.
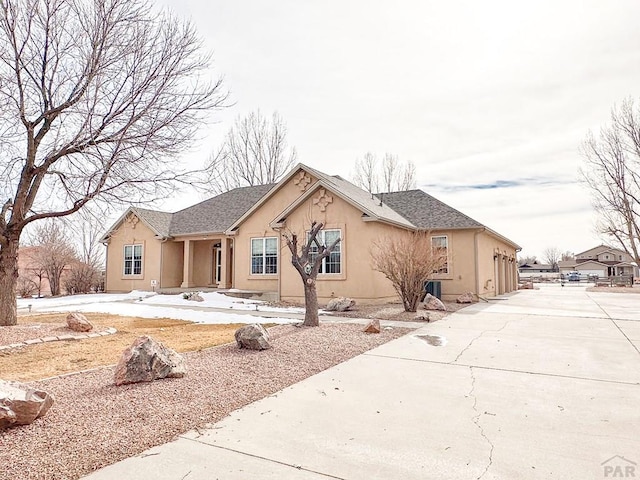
(311,318)
(8,282)
(309,269)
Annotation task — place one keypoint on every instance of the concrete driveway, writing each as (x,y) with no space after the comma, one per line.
(538,384)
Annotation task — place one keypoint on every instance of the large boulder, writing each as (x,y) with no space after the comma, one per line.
(253,337)
(373,326)
(466,297)
(21,404)
(78,322)
(340,304)
(147,360)
(433,303)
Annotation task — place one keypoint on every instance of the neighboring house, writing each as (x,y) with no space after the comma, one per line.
(32,279)
(602,261)
(535,267)
(235,240)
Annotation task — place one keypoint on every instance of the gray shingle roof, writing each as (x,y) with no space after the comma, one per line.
(426,212)
(217,214)
(157,220)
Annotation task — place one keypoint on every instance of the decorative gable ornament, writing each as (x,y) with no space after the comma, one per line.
(323,199)
(302,180)
(132,220)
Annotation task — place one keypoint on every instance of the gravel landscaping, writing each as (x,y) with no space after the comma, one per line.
(20,333)
(94,423)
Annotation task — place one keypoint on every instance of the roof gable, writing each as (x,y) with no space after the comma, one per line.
(600,249)
(352,194)
(371,208)
(157,221)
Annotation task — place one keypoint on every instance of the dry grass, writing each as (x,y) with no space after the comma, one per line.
(614,289)
(49,359)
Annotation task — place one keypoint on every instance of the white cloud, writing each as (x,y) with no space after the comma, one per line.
(472,92)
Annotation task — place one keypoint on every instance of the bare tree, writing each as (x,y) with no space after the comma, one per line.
(53,253)
(567,255)
(552,256)
(96,97)
(527,260)
(82,277)
(366,175)
(408,260)
(255,152)
(611,171)
(308,261)
(390,175)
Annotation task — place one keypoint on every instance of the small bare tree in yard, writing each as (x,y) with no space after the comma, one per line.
(53,253)
(96,99)
(552,255)
(307,260)
(388,176)
(84,274)
(255,152)
(408,260)
(612,173)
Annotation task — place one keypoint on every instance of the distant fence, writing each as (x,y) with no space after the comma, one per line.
(614,281)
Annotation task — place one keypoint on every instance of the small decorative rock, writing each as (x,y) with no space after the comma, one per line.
(433,303)
(147,360)
(196,297)
(253,337)
(373,327)
(78,322)
(340,304)
(422,317)
(21,404)
(466,297)
(526,286)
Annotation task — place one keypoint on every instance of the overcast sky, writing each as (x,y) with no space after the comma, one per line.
(490,99)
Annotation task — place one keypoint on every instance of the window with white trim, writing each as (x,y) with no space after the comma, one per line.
(332,263)
(133,259)
(440,246)
(264,256)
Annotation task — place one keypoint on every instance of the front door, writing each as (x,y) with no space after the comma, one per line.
(217,265)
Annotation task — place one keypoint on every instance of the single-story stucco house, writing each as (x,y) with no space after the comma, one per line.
(235,240)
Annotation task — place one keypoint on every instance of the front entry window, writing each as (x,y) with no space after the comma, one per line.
(133,259)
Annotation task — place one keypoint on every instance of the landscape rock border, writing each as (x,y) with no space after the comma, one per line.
(52,338)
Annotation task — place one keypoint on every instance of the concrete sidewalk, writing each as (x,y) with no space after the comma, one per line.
(542,384)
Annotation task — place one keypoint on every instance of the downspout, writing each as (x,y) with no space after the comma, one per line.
(477,260)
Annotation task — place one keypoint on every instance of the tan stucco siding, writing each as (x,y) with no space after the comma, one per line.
(496,275)
(172,264)
(356,278)
(132,233)
(461,263)
(257,226)
(203,262)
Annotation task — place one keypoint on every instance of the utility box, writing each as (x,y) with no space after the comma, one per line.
(434,287)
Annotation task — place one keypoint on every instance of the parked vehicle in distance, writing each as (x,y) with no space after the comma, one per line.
(573,276)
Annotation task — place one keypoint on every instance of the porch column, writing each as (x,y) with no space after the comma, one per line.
(225,267)
(187,273)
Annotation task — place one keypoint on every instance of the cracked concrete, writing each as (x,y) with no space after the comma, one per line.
(544,384)
(476,421)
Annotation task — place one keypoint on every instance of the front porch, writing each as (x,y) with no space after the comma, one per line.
(207,263)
